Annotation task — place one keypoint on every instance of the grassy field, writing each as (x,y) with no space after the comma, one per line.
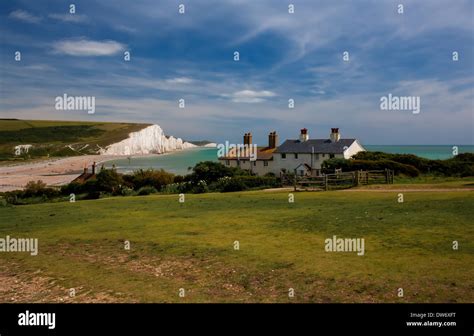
(59,138)
(191,245)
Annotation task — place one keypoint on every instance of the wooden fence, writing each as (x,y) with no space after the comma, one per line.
(339,180)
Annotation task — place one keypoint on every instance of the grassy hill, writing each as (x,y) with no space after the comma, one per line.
(191,245)
(59,138)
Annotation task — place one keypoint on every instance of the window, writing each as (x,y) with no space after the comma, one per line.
(331,156)
(283,155)
(255,163)
(296,155)
(265,163)
(324,155)
(227,162)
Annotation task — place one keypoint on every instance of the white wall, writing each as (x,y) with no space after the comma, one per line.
(353,149)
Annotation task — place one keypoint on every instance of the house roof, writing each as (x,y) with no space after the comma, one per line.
(83,177)
(322,146)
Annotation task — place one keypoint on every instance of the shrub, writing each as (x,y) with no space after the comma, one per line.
(211,171)
(178,179)
(147,190)
(200,187)
(38,189)
(460,165)
(126,191)
(177,188)
(258,181)
(350,165)
(150,177)
(229,184)
(108,180)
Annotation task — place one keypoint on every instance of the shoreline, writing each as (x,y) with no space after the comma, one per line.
(56,171)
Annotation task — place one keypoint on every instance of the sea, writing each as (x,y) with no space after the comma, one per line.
(181,162)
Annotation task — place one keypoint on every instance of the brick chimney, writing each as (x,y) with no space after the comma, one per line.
(248,138)
(335,135)
(272,140)
(93,168)
(304,135)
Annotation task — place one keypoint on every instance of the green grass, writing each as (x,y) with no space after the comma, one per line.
(52,138)
(425,182)
(190,246)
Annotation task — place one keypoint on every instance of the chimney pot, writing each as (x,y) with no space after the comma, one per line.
(335,135)
(304,135)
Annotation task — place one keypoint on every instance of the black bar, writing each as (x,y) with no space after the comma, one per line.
(247,318)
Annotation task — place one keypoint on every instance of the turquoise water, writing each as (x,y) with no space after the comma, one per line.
(432,152)
(179,162)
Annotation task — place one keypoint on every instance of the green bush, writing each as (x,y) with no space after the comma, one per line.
(149,177)
(147,190)
(108,180)
(211,171)
(460,165)
(251,182)
(229,184)
(38,189)
(200,187)
(350,165)
(177,188)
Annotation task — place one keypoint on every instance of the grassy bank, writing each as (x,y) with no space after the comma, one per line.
(191,245)
(59,138)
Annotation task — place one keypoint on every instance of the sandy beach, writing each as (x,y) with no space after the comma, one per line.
(53,172)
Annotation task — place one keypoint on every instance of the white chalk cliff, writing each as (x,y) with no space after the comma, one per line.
(150,140)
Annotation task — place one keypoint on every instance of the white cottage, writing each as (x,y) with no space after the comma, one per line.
(303,156)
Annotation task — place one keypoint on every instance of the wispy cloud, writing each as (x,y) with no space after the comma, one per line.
(180,80)
(249,96)
(83,47)
(73,18)
(25,16)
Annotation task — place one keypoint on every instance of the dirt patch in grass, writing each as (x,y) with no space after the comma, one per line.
(36,287)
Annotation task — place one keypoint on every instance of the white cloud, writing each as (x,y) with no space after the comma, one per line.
(74,18)
(25,16)
(125,29)
(83,47)
(179,80)
(250,96)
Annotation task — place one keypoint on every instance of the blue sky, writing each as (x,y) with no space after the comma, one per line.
(282,56)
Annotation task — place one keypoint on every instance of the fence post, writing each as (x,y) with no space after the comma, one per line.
(326,182)
(294,182)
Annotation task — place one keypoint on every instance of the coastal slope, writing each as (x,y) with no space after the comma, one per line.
(22,140)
